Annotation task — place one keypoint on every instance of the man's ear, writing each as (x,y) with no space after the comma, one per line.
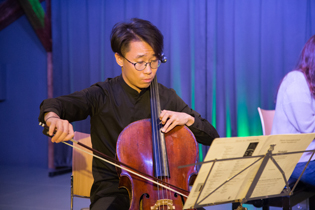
(119,59)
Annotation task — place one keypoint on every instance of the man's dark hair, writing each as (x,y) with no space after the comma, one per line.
(137,30)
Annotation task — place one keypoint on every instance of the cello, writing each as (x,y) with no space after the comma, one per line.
(142,145)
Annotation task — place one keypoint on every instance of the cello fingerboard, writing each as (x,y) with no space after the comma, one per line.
(161,168)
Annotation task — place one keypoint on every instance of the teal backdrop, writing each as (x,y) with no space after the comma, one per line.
(225,59)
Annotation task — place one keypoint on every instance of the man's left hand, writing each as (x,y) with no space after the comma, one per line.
(171,119)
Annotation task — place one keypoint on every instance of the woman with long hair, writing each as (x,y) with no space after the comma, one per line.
(295,107)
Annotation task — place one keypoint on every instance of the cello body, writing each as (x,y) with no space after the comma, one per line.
(145,148)
(134,148)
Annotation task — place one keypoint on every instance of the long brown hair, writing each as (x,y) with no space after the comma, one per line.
(306,63)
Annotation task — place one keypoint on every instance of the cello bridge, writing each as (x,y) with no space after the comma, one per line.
(163,202)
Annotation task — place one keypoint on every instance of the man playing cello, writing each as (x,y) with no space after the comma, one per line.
(117,102)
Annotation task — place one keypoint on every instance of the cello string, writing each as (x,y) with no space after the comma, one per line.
(126,169)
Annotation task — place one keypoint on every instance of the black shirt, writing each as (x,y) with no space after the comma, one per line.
(112,105)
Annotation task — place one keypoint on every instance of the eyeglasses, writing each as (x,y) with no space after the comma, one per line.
(139,66)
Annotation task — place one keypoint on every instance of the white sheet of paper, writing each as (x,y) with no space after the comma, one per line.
(271,181)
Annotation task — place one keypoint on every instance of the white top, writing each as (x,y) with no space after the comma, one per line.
(295,109)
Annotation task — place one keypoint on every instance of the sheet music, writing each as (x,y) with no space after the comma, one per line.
(271,181)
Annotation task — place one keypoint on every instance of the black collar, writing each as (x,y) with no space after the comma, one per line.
(129,89)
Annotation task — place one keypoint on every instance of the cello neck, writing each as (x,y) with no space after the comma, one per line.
(158,141)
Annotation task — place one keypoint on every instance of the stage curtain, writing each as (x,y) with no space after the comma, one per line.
(225,57)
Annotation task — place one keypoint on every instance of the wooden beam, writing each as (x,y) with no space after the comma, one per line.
(40,22)
(50,93)
(10,11)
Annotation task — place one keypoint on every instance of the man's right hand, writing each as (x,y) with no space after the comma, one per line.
(59,129)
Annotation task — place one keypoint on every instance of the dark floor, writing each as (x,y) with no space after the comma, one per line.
(32,189)
(23,188)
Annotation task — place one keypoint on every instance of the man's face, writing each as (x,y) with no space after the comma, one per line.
(139,51)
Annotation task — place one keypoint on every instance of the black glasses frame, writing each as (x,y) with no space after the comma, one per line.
(145,66)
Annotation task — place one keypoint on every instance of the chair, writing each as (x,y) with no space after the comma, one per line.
(301,192)
(266,118)
(81,178)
